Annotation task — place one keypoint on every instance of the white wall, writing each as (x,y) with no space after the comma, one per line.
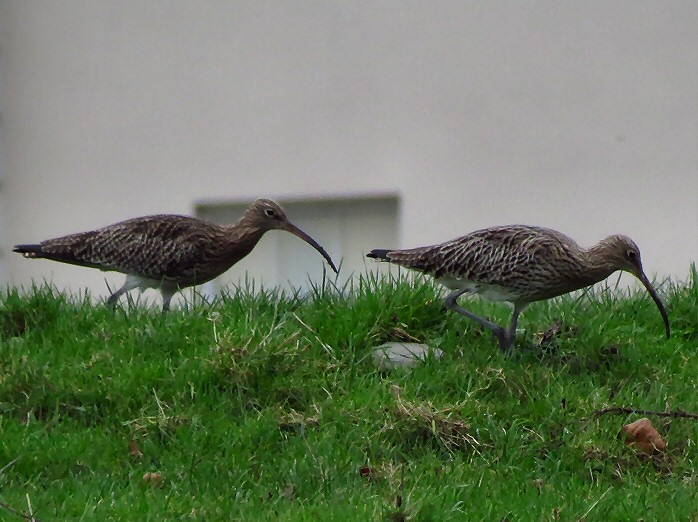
(581,116)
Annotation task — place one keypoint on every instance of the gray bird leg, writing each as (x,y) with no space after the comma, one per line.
(111,302)
(498,331)
(130,283)
(506,342)
(167,294)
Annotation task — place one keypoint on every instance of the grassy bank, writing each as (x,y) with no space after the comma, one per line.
(264,407)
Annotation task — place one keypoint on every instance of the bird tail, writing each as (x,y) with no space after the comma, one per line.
(62,253)
(379,253)
(29,251)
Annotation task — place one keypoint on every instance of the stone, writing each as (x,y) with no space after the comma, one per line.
(389,356)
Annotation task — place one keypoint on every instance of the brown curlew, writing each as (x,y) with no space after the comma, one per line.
(521,265)
(168,252)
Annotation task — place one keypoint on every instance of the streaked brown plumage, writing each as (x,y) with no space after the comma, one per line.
(520,264)
(168,252)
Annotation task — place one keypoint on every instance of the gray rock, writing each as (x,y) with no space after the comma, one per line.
(403,355)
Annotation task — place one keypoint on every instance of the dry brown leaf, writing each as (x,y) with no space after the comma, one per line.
(134,450)
(643,436)
(555,330)
(367,472)
(153,478)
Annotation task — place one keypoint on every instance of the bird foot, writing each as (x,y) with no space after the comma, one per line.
(506,342)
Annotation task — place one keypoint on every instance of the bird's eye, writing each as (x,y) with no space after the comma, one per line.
(270,212)
(631,254)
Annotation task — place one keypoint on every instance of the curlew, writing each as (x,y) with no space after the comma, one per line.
(521,265)
(168,252)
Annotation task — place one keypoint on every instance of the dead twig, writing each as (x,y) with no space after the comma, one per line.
(29,505)
(30,518)
(676,414)
(584,516)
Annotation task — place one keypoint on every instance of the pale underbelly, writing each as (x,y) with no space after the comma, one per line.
(484,290)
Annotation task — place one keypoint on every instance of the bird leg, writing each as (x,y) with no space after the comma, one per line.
(506,342)
(133,281)
(500,333)
(167,294)
(130,283)
(111,302)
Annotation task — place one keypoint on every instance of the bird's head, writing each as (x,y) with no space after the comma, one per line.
(621,253)
(265,215)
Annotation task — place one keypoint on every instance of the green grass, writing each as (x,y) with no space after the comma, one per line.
(269,407)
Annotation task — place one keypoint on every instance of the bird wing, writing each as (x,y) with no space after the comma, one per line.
(494,256)
(156,247)
(539,263)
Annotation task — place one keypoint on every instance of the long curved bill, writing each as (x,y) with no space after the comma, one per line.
(642,277)
(293,229)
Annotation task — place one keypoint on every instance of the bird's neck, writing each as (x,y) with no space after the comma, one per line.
(246,231)
(243,237)
(599,265)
